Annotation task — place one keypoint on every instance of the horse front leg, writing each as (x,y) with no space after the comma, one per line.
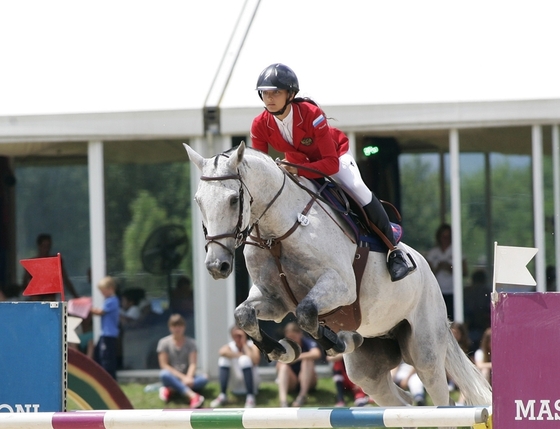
(247,316)
(329,292)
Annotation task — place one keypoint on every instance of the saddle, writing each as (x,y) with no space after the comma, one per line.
(349,317)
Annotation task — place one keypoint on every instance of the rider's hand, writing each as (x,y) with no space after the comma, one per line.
(289,168)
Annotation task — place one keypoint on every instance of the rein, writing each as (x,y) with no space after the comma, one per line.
(274,246)
(239,234)
(317,195)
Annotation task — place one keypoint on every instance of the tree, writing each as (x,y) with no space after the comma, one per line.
(146,217)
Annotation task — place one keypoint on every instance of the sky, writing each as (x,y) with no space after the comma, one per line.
(121,55)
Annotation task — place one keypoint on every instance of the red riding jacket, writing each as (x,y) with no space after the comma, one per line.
(316,144)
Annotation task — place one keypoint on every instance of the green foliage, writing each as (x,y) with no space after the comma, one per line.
(509,203)
(140,198)
(324,395)
(420,202)
(146,217)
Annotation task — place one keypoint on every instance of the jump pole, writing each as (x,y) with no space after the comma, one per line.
(258,418)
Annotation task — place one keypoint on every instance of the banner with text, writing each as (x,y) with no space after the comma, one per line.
(525,349)
(32,357)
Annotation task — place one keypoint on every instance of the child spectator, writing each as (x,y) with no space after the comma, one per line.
(106,348)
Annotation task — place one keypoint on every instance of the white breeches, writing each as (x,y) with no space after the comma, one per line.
(350,179)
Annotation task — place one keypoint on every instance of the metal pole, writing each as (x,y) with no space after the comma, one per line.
(538,207)
(442,195)
(352,143)
(96,185)
(556,189)
(488,202)
(456,240)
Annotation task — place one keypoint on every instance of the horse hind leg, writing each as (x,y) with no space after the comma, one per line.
(426,351)
(307,316)
(370,368)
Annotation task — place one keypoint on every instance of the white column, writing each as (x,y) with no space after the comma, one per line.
(456,241)
(97,225)
(538,207)
(488,216)
(214,299)
(442,196)
(556,188)
(352,144)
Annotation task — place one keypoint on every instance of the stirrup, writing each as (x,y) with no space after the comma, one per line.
(329,339)
(403,274)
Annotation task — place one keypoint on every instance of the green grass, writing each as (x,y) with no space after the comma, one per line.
(323,396)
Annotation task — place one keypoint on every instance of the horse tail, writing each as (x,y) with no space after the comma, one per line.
(468,378)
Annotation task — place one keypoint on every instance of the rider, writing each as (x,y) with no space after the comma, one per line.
(299,128)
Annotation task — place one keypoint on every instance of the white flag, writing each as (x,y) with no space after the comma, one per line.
(510,265)
(72,324)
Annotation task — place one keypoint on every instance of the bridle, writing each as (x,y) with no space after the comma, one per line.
(239,234)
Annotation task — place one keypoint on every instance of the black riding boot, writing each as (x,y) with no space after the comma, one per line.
(396,262)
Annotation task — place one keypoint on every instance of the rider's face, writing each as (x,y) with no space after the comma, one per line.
(275,100)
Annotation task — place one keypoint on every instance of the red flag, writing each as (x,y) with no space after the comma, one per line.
(46,276)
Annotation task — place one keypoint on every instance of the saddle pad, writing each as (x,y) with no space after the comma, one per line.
(373,241)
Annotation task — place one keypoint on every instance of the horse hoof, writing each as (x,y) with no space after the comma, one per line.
(352,339)
(293,350)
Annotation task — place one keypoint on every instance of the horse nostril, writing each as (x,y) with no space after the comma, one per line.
(224,267)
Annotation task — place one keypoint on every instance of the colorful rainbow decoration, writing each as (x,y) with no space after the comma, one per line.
(91,387)
(372,417)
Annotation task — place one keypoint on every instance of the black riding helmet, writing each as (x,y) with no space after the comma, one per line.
(278,76)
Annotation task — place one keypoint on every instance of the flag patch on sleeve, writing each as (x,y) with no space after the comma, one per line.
(318,120)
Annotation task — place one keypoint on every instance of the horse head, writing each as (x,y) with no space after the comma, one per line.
(225,213)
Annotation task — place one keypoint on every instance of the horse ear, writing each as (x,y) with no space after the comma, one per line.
(194,156)
(238,155)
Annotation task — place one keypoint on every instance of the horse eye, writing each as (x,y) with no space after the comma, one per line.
(233,201)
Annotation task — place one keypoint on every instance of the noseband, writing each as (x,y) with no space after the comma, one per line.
(238,233)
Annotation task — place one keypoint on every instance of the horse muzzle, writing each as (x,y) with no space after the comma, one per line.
(219,267)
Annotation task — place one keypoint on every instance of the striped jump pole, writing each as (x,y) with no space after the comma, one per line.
(258,418)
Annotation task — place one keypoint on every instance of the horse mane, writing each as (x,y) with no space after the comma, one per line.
(248,151)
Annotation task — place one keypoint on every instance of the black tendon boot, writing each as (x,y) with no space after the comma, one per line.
(396,262)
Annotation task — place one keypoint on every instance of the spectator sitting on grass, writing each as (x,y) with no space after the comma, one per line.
(177,356)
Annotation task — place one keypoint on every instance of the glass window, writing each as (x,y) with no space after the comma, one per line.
(148,224)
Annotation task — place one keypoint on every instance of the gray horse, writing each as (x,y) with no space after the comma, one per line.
(244,190)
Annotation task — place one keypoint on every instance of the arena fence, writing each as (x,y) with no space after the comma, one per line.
(232,418)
